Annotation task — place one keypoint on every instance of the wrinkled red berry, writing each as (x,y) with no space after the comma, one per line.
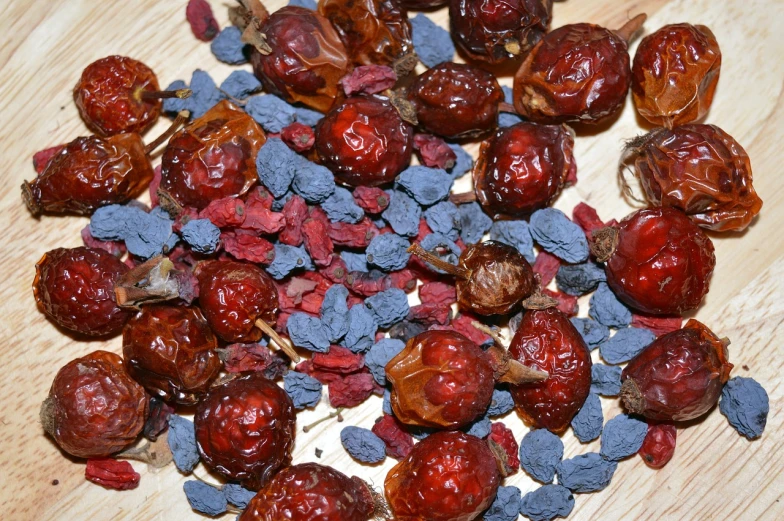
(456,100)
(364,141)
(434,152)
(170,350)
(658,447)
(679,376)
(202,21)
(94,408)
(74,288)
(245,429)
(368,79)
(398,442)
(299,137)
(504,446)
(448,476)
(522,168)
(372,199)
(110,473)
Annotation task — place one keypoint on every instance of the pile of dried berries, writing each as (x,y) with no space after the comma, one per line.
(292,223)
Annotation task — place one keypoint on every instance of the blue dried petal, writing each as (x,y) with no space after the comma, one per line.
(501,403)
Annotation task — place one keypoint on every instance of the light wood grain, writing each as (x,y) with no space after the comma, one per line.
(715,474)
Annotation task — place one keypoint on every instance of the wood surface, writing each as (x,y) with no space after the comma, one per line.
(716,474)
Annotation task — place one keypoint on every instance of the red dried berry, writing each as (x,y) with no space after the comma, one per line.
(674,74)
(522,168)
(311,492)
(246,245)
(353,235)
(295,211)
(430,314)
(578,72)
(304,58)
(88,173)
(94,407)
(299,137)
(117,94)
(434,152)
(213,157)
(170,350)
(42,157)
(368,79)
(658,447)
(245,429)
(437,293)
(456,100)
(398,442)
(699,169)
(239,358)
(448,476)
(74,288)
(586,217)
(202,21)
(226,212)
(110,473)
(660,262)
(501,437)
(364,141)
(233,296)
(372,199)
(679,376)
(351,390)
(546,266)
(463,323)
(375,32)
(116,248)
(496,31)
(567,304)
(547,340)
(317,241)
(338,360)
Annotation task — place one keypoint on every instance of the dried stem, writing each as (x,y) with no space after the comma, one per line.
(439,263)
(163,94)
(181,118)
(277,340)
(331,415)
(630,28)
(465,197)
(509,370)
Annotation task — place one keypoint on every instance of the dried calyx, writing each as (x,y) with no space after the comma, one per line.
(631,28)
(147,283)
(604,243)
(249,17)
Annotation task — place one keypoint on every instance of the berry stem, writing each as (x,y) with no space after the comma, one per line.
(509,370)
(277,340)
(164,94)
(331,415)
(630,28)
(439,263)
(465,197)
(181,118)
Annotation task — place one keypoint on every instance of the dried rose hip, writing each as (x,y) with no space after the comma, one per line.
(657,261)
(170,350)
(522,168)
(679,376)
(547,340)
(456,100)
(492,278)
(497,31)
(301,57)
(117,94)
(94,407)
(674,74)
(364,141)
(88,173)
(699,169)
(659,445)
(578,72)
(422,5)
(245,429)
(442,379)
(375,32)
(448,476)
(312,492)
(74,288)
(213,157)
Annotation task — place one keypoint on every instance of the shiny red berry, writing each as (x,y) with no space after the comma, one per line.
(658,447)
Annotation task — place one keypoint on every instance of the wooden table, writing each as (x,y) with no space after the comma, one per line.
(716,474)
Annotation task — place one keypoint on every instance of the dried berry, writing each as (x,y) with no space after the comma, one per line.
(373,200)
(236,495)
(522,168)
(607,310)
(587,424)
(547,502)
(456,100)
(658,261)
(205,94)
(311,492)
(679,376)
(514,233)
(699,169)
(315,183)
(361,330)
(540,453)
(245,429)
(432,43)
(426,185)
(434,152)
(372,121)
(547,340)
(351,390)
(498,31)
(578,72)
(500,403)
(240,84)
(579,279)
(398,442)
(270,112)
(182,443)
(402,214)
(308,332)
(375,32)
(341,207)
(170,350)
(501,437)
(362,444)
(674,74)
(228,46)
(42,157)
(388,307)
(201,235)
(622,437)
(606,379)
(335,313)
(298,137)
(201,20)
(388,252)
(213,157)
(592,331)
(94,408)
(117,95)
(110,473)
(447,476)
(204,498)
(659,445)
(74,288)
(287,259)
(444,218)
(625,345)
(368,79)
(379,356)
(298,55)
(745,404)
(586,472)
(238,358)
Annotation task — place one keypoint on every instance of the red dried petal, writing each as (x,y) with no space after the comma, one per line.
(434,152)
(567,304)
(437,293)
(586,217)
(546,266)
(42,157)
(372,199)
(351,390)
(398,442)
(338,360)
(317,241)
(503,436)
(245,246)
(295,211)
(298,136)
(660,325)
(253,357)
(110,473)
(353,235)
(202,21)
(225,212)
(154,185)
(260,218)
(368,79)
(429,314)
(116,248)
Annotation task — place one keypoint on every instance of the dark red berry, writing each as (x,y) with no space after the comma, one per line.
(659,445)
